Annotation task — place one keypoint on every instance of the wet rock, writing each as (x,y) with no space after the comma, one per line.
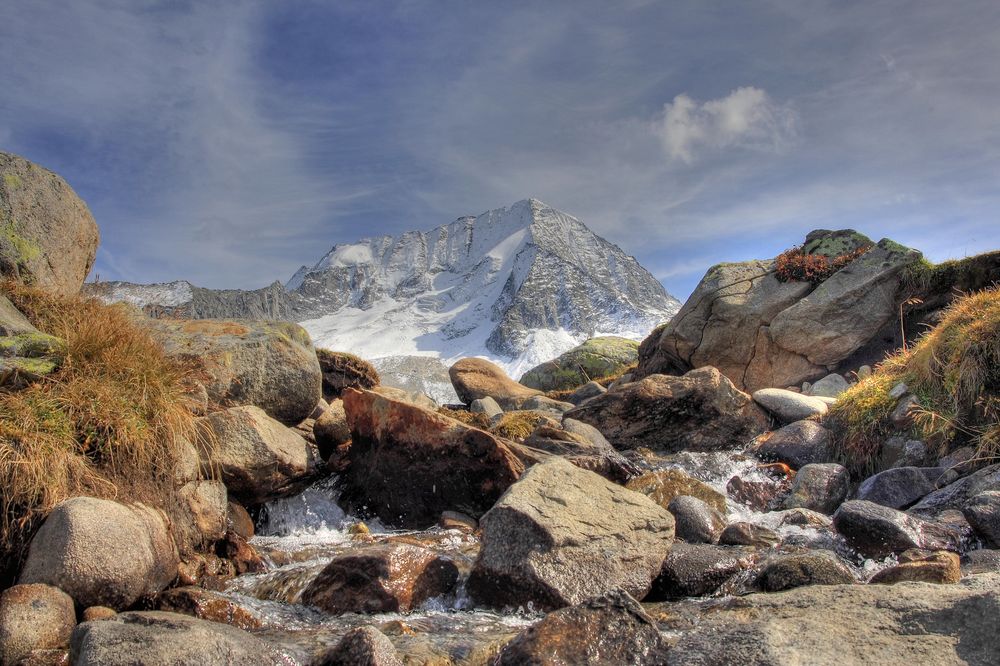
(981,561)
(562,534)
(830,386)
(102,553)
(695,521)
(957,494)
(50,238)
(695,570)
(266,364)
(239,521)
(749,534)
(34,617)
(915,623)
(701,411)
(876,531)
(585,393)
(244,557)
(476,378)
(201,520)
(802,518)
(364,646)
(331,430)
(797,444)
(207,605)
(487,406)
(662,486)
(409,464)
(97,613)
(899,487)
(983,514)
(922,567)
(595,358)
(453,520)
(788,406)
(383,578)
(599,457)
(610,629)
(758,494)
(158,638)
(821,567)
(258,458)
(819,487)
(342,370)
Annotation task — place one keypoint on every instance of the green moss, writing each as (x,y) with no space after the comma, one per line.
(32,345)
(12,181)
(23,250)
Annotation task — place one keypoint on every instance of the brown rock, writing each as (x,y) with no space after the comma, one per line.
(34,617)
(476,378)
(207,605)
(244,557)
(50,238)
(923,567)
(409,464)
(342,370)
(239,521)
(664,485)
(611,629)
(201,520)
(811,568)
(331,430)
(701,411)
(384,578)
(362,646)
(453,520)
(97,613)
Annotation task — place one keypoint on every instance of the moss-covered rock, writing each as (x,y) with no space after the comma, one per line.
(594,359)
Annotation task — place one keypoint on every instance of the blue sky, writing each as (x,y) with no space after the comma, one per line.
(230,142)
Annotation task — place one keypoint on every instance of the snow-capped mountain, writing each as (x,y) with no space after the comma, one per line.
(519,285)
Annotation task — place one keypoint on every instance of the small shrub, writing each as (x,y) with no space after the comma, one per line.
(795,265)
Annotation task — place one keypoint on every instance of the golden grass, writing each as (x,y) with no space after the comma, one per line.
(111,422)
(953,370)
(605,381)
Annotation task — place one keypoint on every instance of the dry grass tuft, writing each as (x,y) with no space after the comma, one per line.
(604,381)
(953,370)
(476,420)
(111,422)
(518,424)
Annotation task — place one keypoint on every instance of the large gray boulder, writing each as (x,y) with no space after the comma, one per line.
(34,617)
(158,638)
(267,364)
(102,553)
(259,459)
(701,411)
(561,535)
(834,625)
(762,332)
(49,238)
(876,531)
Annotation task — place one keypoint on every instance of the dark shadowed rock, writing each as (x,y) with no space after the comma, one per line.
(34,617)
(259,459)
(331,430)
(662,486)
(749,534)
(562,534)
(797,444)
(383,578)
(695,570)
(819,487)
(876,531)
(983,513)
(701,411)
(899,487)
(158,638)
(475,378)
(695,521)
(408,464)
(342,370)
(586,453)
(983,560)
(207,605)
(611,629)
(957,494)
(102,553)
(821,567)
(49,237)
(267,364)
(586,392)
(362,646)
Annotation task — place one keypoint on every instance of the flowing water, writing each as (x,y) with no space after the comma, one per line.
(298,536)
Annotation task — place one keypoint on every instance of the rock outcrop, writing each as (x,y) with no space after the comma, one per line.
(48,237)
(477,378)
(271,365)
(102,553)
(561,535)
(762,332)
(595,358)
(701,411)
(408,464)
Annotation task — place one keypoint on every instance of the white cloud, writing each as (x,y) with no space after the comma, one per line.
(747,118)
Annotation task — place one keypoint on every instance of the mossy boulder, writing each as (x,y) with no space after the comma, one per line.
(48,237)
(596,358)
(26,354)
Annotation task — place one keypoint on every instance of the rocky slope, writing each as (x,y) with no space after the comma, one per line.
(519,285)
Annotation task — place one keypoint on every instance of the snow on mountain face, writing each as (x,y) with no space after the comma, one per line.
(519,285)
